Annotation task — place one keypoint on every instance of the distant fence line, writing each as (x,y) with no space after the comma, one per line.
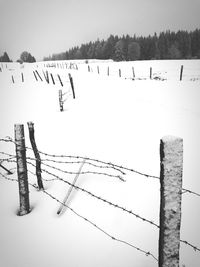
(120,72)
(171,154)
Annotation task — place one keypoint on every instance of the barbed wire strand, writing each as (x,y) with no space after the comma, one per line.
(9,139)
(147,253)
(99,198)
(184,190)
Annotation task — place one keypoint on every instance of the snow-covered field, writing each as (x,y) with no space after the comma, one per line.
(114,120)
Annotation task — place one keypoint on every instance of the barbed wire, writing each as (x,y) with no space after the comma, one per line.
(107,164)
(100,161)
(84,172)
(189,244)
(98,197)
(147,253)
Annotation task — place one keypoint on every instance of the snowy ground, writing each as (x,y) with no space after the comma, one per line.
(115,120)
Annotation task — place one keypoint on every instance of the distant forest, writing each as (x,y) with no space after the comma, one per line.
(166,45)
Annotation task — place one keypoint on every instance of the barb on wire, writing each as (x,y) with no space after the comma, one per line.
(189,191)
(102,162)
(84,172)
(192,246)
(99,198)
(147,253)
(88,163)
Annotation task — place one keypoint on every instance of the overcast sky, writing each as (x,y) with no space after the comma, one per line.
(43,27)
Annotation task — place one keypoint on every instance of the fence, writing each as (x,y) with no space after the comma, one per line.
(62,81)
(171,163)
(136,72)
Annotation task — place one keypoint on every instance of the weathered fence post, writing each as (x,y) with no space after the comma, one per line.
(98,69)
(133,72)
(72,85)
(60,80)
(52,78)
(22,77)
(46,76)
(120,74)
(35,75)
(150,72)
(181,73)
(37,155)
(171,156)
(39,75)
(60,100)
(13,79)
(22,170)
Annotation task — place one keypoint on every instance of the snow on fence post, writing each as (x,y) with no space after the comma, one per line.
(171,158)
(72,85)
(181,73)
(22,170)
(37,155)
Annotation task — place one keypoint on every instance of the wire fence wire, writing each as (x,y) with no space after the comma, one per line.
(147,253)
(9,158)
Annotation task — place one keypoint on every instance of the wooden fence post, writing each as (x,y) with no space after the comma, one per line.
(72,85)
(52,78)
(39,75)
(13,79)
(22,77)
(35,75)
(171,156)
(108,71)
(133,72)
(150,72)
(37,155)
(181,73)
(60,100)
(98,69)
(22,170)
(120,74)
(60,80)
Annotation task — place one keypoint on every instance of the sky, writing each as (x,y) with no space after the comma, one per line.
(44,27)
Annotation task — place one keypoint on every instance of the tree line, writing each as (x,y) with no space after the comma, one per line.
(166,45)
(24,57)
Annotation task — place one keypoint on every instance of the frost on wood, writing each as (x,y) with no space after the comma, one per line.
(22,170)
(171,154)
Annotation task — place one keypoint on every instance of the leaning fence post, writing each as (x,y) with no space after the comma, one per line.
(72,85)
(171,156)
(36,153)
(22,170)
(181,73)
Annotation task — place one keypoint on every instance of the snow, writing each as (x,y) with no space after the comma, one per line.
(114,120)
